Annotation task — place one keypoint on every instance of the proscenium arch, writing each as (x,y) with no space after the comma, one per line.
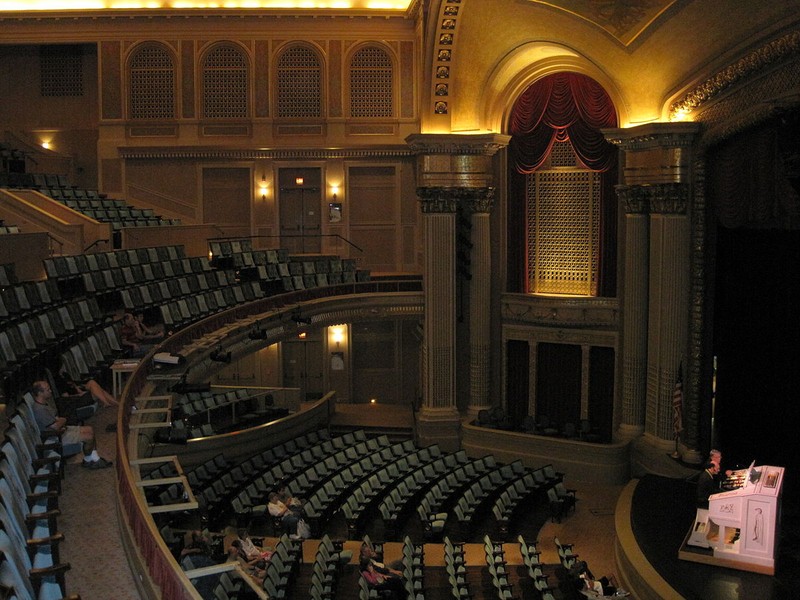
(529,63)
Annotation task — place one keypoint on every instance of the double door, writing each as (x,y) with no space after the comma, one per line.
(300,204)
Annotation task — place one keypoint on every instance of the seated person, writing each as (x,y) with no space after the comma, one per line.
(290,515)
(148,332)
(707,484)
(48,419)
(131,337)
(605,586)
(70,388)
(255,567)
(382,582)
(367,554)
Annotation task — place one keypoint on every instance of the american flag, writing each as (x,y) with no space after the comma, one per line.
(677,403)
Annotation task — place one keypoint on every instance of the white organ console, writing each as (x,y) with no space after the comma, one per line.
(740,528)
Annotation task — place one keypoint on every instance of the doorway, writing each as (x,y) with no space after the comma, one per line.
(302,366)
(300,203)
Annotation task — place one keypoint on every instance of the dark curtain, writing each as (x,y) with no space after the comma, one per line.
(517,360)
(558,383)
(601,390)
(561,107)
(753,178)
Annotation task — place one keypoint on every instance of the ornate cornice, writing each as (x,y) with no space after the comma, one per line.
(487,144)
(449,199)
(564,313)
(653,135)
(758,60)
(209,153)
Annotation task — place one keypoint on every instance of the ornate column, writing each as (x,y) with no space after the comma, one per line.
(657,182)
(454,176)
(479,297)
(634,311)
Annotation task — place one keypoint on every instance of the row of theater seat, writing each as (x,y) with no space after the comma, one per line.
(31,469)
(72,266)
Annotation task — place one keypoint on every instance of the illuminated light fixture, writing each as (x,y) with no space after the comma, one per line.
(337,335)
(46,145)
(345,5)
(263,187)
(298,181)
(373,400)
(302,335)
(681,115)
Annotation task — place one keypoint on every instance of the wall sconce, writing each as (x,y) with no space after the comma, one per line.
(298,181)
(263,187)
(46,144)
(337,335)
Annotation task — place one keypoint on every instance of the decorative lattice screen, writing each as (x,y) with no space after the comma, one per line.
(225,83)
(299,83)
(563,230)
(152,84)
(371,84)
(61,70)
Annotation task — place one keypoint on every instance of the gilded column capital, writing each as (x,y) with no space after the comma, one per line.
(669,198)
(658,198)
(450,199)
(635,200)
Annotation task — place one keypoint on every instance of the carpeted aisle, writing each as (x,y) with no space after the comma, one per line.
(92,546)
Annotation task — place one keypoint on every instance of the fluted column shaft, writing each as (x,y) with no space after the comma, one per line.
(439,290)
(668,305)
(634,361)
(479,301)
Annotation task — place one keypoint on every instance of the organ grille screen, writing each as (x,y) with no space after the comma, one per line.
(563,226)
(152,84)
(371,84)
(299,83)
(225,84)
(61,70)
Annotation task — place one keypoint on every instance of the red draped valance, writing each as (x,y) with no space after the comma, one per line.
(560,107)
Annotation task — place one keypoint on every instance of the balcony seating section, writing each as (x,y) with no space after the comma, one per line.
(225,411)
(95,205)
(278,271)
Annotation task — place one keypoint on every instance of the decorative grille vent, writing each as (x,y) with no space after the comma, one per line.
(152,84)
(299,83)
(61,70)
(563,231)
(371,84)
(225,83)
(562,155)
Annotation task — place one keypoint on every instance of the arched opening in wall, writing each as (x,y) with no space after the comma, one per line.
(754,199)
(562,241)
(561,202)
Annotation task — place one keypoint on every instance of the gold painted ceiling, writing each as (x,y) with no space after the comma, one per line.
(625,20)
